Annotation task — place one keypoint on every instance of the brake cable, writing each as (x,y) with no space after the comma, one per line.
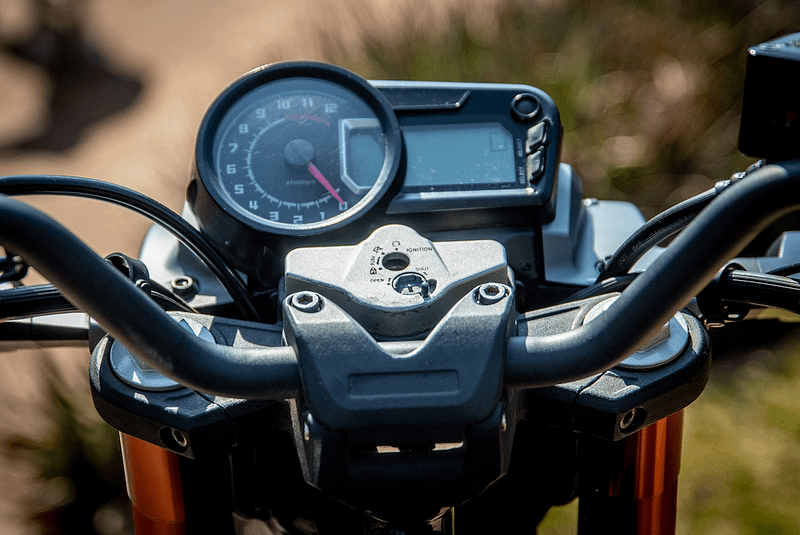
(734,291)
(663,226)
(143,205)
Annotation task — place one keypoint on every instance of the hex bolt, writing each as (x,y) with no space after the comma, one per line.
(307,301)
(627,419)
(491,293)
(144,286)
(307,427)
(184,286)
(179,438)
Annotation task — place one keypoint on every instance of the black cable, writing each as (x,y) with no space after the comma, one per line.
(143,205)
(61,330)
(45,299)
(791,269)
(658,229)
(665,225)
(613,284)
(760,289)
(37,300)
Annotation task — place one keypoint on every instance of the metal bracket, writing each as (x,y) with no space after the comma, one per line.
(452,378)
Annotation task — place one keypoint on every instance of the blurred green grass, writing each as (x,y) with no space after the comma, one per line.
(741,469)
(649,91)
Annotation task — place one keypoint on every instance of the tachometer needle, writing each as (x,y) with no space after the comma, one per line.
(324,181)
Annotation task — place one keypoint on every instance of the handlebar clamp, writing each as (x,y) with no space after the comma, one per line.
(452,378)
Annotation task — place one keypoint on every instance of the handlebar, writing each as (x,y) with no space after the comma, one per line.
(719,232)
(690,262)
(131,317)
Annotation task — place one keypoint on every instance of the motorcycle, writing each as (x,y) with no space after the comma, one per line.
(386,307)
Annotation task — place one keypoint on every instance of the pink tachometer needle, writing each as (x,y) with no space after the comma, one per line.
(324,181)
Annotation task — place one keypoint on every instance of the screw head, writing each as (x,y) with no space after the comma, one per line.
(184,286)
(491,293)
(179,438)
(307,301)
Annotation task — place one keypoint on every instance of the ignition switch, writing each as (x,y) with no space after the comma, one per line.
(413,284)
(396,282)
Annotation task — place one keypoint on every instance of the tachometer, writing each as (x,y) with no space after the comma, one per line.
(298,148)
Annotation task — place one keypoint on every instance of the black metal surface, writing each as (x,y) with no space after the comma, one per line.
(411,482)
(596,405)
(211,425)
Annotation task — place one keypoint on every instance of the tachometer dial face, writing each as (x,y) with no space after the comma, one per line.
(304,148)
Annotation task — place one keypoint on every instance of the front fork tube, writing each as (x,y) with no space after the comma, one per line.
(631,486)
(154,487)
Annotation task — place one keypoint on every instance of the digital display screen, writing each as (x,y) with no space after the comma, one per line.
(465,155)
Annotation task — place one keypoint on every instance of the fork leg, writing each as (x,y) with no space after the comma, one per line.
(635,489)
(154,487)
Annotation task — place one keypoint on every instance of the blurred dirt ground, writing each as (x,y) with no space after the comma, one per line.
(183,53)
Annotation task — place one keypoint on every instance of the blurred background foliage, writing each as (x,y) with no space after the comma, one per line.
(649,93)
(78,463)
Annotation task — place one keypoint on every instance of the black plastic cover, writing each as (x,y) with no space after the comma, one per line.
(770,126)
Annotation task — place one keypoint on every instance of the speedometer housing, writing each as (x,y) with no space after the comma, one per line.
(298,148)
(306,154)
(287,151)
